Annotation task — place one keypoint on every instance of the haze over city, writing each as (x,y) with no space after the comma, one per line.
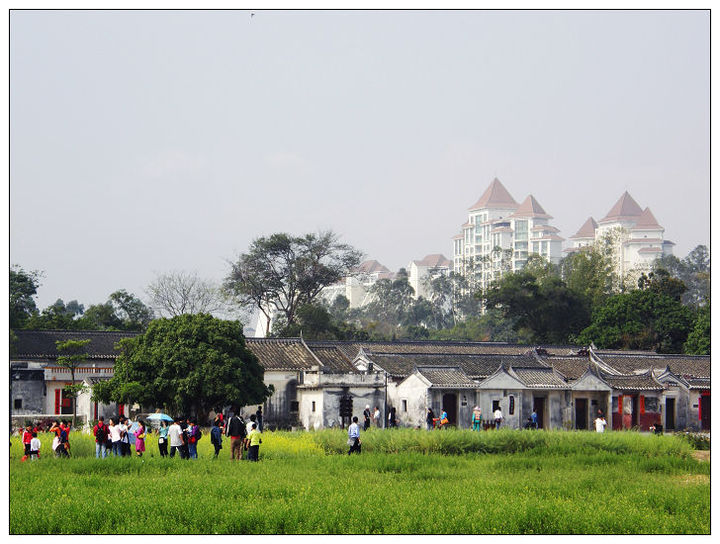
(145,142)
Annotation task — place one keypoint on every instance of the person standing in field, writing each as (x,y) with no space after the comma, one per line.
(193,433)
(65,426)
(140,438)
(176,441)
(430,419)
(477,419)
(35,446)
(253,421)
(163,439)
(26,439)
(354,436)
(237,432)
(259,418)
(600,422)
(498,417)
(534,418)
(100,431)
(216,437)
(185,448)
(254,440)
(377,418)
(366,415)
(114,431)
(124,445)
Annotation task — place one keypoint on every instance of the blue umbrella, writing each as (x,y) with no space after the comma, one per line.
(159,417)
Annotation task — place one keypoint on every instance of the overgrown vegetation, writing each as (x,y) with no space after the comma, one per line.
(524,482)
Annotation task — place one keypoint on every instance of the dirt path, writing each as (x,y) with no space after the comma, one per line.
(702,455)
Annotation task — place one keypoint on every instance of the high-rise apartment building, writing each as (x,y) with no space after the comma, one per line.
(500,234)
(636,237)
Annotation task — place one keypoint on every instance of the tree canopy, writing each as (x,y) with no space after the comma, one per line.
(191,362)
(280,273)
(177,293)
(23,287)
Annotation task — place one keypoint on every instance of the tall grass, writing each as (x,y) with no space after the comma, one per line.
(505,482)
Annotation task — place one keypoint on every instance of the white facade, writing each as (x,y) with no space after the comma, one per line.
(423,271)
(501,234)
(635,235)
(356,288)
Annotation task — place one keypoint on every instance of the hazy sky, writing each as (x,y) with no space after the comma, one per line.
(144,142)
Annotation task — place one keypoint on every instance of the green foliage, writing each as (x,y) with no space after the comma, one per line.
(191,362)
(698,341)
(575,483)
(693,271)
(642,319)
(71,355)
(589,273)
(488,327)
(539,302)
(281,273)
(23,288)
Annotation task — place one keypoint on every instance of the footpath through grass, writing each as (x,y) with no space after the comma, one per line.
(405,481)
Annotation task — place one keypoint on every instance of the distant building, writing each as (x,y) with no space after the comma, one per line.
(356,288)
(500,234)
(637,237)
(427,269)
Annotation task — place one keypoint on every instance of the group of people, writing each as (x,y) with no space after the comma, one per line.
(114,437)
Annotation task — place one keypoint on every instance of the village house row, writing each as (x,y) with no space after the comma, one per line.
(567,385)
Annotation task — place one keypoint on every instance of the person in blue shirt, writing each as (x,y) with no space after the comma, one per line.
(216,437)
(354,436)
(533,419)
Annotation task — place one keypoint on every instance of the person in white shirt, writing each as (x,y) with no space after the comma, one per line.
(175,436)
(35,447)
(114,437)
(498,417)
(377,418)
(124,440)
(600,423)
(354,436)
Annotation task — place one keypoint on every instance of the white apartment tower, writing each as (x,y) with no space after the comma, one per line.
(500,234)
(638,239)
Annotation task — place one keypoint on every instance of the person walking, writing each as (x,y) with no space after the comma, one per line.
(216,437)
(430,419)
(254,440)
(498,417)
(114,431)
(176,441)
(366,415)
(100,431)
(237,432)
(163,439)
(477,419)
(354,436)
(140,438)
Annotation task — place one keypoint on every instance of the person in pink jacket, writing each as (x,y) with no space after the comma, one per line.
(140,438)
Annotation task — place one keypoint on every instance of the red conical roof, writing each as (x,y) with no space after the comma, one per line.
(625,208)
(587,230)
(495,196)
(531,208)
(647,221)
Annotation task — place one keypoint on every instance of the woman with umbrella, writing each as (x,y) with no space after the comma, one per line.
(164,419)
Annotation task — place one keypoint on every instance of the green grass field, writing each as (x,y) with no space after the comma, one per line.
(405,481)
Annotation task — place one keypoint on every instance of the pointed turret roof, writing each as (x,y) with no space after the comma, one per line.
(587,230)
(624,209)
(495,196)
(647,221)
(531,208)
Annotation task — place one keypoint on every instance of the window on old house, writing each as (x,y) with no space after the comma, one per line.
(313,406)
(404,405)
(17,404)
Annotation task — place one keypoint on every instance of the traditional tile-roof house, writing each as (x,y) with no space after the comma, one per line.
(567,385)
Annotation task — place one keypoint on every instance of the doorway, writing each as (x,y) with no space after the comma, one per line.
(539,404)
(581,414)
(449,404)
(705,412)
(635,411)
(669,414)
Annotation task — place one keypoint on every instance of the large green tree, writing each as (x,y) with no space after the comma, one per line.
(23,288)
(280,273)
(649,318)
(693,271)
(539,304)
(189,363)
(698,341)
